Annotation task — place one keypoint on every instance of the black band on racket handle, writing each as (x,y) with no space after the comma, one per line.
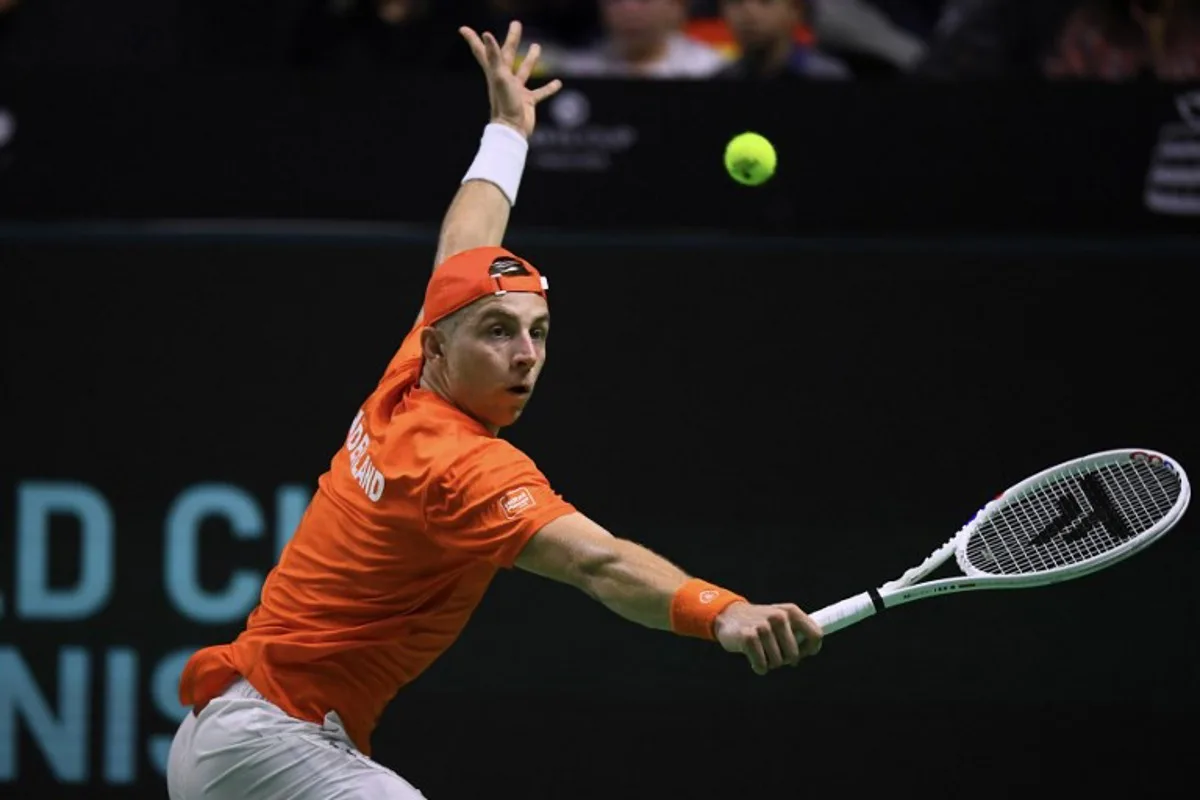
(849,611)
(876,600)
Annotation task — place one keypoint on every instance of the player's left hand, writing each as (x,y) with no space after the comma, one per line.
(513,103)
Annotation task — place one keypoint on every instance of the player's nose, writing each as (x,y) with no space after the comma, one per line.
(524,354)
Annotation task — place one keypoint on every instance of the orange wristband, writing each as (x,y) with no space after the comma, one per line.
(696,605)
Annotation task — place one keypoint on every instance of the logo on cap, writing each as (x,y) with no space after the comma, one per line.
(507,266)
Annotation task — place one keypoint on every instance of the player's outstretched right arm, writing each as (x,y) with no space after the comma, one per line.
(646,588)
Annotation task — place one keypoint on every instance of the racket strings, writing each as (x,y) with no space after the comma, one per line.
(1072,517)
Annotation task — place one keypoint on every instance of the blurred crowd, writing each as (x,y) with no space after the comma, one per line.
(1110,40)
(1104,40)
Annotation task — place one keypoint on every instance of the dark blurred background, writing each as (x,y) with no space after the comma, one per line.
(1110,40)
(216,221)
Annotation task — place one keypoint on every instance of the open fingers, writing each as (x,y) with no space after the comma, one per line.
(492,48)
(549,90)
(495,52)
(511,42)
(476,44)
(529,62)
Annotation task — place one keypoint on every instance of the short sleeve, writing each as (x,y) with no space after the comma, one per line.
(490,503)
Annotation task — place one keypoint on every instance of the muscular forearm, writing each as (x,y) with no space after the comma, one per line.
(477,217)
(633,582)
(624,576)
(478,214)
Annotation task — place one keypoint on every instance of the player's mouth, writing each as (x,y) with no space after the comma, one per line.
(521,389)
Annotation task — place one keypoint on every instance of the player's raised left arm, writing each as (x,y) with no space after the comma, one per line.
(478,215)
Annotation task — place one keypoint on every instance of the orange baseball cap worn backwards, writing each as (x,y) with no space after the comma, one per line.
(473,274)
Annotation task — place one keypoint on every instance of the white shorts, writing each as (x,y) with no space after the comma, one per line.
(242,746)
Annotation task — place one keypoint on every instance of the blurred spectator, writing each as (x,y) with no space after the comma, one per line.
(992,38)
(856,33)
(638,39)
(1118,40)
(764,31)
(865,34)
(707,25)
(1107,40)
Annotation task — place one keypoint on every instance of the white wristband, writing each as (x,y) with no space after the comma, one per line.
(500,160)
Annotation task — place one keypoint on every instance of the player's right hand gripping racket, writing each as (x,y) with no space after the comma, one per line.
(1062,523)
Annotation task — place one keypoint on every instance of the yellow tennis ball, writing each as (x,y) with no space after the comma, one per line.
(750,159)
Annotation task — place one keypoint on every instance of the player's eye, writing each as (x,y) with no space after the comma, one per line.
(497,331)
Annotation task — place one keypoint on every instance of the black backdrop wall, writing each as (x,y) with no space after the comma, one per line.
(855,160)
(799,421)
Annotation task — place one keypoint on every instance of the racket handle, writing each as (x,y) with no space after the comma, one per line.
(844,613)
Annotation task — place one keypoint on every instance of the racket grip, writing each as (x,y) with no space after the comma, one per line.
(844,613)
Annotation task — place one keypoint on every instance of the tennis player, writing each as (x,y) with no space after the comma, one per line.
(416,513)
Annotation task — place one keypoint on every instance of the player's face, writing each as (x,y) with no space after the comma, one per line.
(494,357)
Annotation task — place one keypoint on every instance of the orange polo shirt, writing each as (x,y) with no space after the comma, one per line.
(418,510)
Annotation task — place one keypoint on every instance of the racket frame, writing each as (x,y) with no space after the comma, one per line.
(906,589)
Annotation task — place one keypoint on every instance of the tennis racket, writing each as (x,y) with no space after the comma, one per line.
(1062,523)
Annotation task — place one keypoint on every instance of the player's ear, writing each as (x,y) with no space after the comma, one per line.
(433,346)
